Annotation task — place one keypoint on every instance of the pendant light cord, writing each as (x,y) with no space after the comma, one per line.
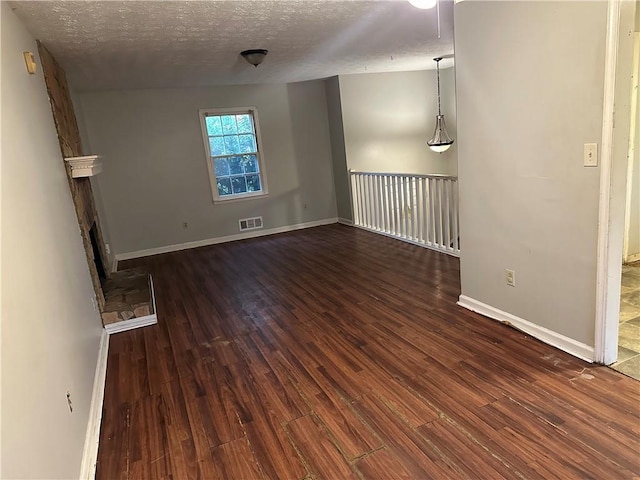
(438,75)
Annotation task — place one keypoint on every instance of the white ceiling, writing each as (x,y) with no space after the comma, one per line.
(148,44)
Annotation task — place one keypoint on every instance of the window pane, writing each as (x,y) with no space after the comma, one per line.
(221,167)
(253,183)
(224,186)
(229,124)
(214,127)
(235,165)
(217,146)
(247,143)
(250,163)
(239,184)
(231,144)
(244,124)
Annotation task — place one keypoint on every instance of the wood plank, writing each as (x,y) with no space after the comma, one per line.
(418,454)
(352,436)
(235,460)
(321,456)
(383,465)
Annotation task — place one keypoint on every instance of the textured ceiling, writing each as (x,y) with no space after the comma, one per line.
(142,44)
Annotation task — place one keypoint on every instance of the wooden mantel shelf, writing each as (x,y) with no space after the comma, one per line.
(86,166)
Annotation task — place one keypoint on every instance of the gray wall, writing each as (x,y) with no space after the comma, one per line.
(155,175)
(338,152)
(388,117)
(529,86)
(50,332)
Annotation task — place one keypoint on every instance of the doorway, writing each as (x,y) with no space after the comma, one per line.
(619,150)
(628,361)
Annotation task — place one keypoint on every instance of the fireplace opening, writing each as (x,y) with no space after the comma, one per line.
(97,258)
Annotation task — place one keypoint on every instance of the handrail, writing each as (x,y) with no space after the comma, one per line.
(414,175)
(416,208)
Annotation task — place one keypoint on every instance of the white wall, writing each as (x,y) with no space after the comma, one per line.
(50,332)
(338,153)
(388,117)
(529,79)
(155,176)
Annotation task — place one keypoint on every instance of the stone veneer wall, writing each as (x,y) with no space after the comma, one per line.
(70,145)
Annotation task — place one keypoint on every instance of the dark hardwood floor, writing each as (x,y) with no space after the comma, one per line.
(337,353)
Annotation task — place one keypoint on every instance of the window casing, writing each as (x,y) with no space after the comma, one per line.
(234,158)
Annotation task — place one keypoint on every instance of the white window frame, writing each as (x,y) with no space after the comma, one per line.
(217,198)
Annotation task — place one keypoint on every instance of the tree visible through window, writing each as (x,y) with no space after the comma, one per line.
(231,141)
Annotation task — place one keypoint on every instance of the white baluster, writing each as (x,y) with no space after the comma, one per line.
(411,209)
(456,234)
(355,199)
(378,204)
(447,213)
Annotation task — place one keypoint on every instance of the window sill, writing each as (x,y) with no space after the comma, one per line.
(242,198)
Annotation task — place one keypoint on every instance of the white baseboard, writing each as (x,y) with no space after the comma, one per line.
(90,453)
(228,238)
(345,221)
(114,265)
(566,344)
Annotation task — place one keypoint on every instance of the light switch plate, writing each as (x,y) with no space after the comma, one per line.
(590,154)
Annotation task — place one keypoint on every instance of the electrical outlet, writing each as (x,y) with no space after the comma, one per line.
(510,276)
(107,248)
(185,225)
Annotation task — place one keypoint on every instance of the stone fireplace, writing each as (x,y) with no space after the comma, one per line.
(97,257)
(125,299)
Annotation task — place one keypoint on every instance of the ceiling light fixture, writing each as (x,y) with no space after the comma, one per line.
(441,141)
(255,56)
(423,4)
(426,5)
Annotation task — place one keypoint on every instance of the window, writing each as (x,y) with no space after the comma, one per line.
(232,142)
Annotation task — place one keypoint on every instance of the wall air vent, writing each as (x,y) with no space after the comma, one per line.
(250,223)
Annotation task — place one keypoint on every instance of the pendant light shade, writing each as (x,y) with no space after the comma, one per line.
(441,141)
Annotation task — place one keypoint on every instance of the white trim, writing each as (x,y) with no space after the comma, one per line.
(262,172)
(631,157)
(229,238)
(566,344)
(345,221)
(606,329)
(90,453)
(87,166)
(131,324)
(114,265)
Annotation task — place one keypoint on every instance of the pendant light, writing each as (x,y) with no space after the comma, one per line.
(441,141)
